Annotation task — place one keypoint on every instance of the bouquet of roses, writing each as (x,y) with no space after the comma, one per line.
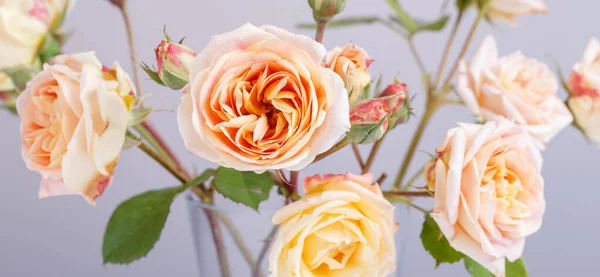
(263,103)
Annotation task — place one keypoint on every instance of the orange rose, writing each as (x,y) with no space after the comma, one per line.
(259,99)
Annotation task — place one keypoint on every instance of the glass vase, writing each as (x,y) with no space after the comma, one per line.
(243,233)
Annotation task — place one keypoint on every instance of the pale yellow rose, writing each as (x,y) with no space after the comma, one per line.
(259,99)
(520,89)
(23,26)
(352,64)
(584,85)
(74,115)
(342,227)
(21,32)
(508,10)
(489,193)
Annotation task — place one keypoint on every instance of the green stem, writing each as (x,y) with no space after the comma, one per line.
(372,154)
(463,50)
(152,141)
(337,147)
(431,107)
(415,53)
(358,156)
(263,252)
(446,54)
(320,31)
(414,178)
(237,237)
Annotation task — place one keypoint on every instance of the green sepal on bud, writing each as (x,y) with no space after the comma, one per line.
(173,61)
(369,121)
(325,10)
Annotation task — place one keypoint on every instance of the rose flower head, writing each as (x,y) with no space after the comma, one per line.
(74,116)
(342,227)
(259,99)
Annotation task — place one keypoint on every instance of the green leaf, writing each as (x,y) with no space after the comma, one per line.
(436,243)
(137,115)
(475,269)
(403,17)
(246,187)
(152,74)
(135,226)
(516,268)
(513,269)
(435,25)
(343,22)
(50,49)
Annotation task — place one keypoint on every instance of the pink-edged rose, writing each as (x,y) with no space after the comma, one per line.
(259,99)
(584,85)
(342,227)
(520,89)
(74,115)
(489,192)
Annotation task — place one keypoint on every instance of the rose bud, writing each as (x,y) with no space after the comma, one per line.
(173,61)
(352,64)
(8,100)
(324,10)
(395,96)
(369,120)
(429,174)
(585,92)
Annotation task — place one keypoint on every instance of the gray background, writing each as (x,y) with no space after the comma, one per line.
(63,236)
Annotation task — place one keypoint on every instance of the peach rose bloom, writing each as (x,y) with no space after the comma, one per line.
(352,64)
(74,116)
(508,10)
(342,227)
(489,193)
(259,99)
(520,89)
(584,85)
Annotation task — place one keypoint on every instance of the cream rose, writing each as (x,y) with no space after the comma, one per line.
(342,227)
(74,116)
(584,85)
(23,27)
(489,193)
(508,10)
(259,99)
(514,87)
(351,63)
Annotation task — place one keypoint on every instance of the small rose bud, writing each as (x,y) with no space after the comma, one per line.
(8,100)
(429,172)
(173,62)
(324,10)
(369,119)
(395,96)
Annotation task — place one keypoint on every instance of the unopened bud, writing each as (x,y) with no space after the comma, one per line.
(369,119)
(429,172)
(8,100)
(173,62)
(395,96)
(324,10)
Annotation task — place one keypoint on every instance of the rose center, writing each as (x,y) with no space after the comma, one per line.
(507,185)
